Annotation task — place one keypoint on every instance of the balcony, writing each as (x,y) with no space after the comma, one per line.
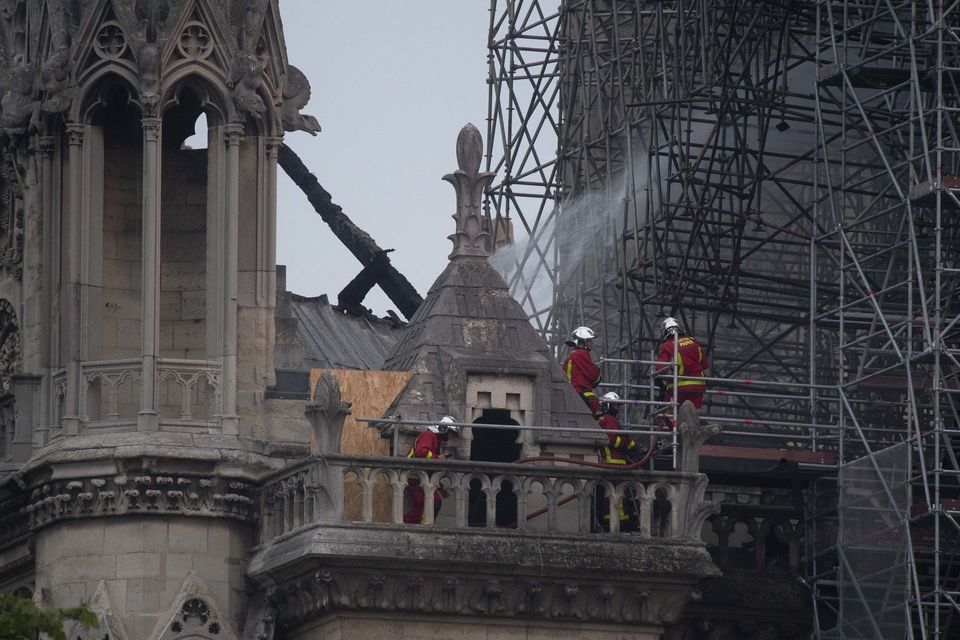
(510,541)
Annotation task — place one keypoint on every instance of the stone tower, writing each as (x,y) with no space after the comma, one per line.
(134,417)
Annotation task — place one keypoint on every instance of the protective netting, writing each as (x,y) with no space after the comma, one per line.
(872,547)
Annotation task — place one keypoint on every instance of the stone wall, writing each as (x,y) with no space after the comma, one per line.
(183,255)
(144,562)
(183,275)
(405,626)
(121,278)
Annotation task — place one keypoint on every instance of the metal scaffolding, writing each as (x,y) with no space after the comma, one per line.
(784,176)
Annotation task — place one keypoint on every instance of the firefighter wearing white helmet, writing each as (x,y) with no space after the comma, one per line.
(581,337)
(621,450)
(581,371)
(445,426)
(691,362)
(427,446)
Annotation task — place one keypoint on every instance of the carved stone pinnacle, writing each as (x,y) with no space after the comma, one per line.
(472,237)
(327,413)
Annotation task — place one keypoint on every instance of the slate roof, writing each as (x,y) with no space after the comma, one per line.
(312,333)
(469,321)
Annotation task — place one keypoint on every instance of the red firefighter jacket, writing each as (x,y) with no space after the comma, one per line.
(620,444)
(581,371)
(691,361)
(427,445)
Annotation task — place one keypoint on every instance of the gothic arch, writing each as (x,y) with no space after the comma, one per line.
(214,99)
(93,95)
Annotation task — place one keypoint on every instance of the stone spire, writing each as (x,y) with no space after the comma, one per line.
(472,237)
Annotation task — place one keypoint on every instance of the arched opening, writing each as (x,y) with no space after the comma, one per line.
(121,303)
(183,256)
(494,445)
(111,282)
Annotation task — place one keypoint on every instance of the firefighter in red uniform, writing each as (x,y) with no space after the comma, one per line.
(427,446)
(622,450)
(580,369)
(691,360)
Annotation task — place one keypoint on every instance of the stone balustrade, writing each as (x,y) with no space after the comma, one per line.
(556,499)
(190,392)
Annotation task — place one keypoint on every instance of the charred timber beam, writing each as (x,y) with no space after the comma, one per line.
(352,295)
(361,245)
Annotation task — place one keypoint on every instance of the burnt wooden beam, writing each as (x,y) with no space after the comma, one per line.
(394,284)
(352,295)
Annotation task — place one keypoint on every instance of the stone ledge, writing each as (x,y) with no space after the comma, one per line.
(324,570)
(224,455)
(383,544)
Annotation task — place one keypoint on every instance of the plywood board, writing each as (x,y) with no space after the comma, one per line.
(371,393)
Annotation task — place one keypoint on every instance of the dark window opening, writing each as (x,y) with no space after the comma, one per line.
(494,445)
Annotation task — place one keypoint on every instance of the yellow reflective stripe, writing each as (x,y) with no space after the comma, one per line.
(632,444)
(688,383)
(588,393)
(410,453)
(616,443)
(608,456)
(569,370)
(679,363)
(429,454)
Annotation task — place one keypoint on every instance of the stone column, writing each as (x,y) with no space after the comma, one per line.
(149,418)
(272,147)
(270,267)
(71,420)
(231,219)
(45,148)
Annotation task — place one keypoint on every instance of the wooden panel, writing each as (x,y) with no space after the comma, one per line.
(371,393)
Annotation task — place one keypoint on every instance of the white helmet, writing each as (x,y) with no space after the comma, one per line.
(608,401)
(580,336)
(444,426)
(670,325)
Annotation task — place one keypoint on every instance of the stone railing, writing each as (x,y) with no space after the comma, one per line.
(197,386)
(551,500)
(110,391)
(189,390)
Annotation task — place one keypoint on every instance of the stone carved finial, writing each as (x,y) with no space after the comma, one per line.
(472,237)
(327,413)
(692,437)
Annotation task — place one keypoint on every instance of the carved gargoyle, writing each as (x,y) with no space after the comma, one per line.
(327,413)
(151,14)
(472,237)
(246,75)
(55,70)
(19,109)
(246,72)
(296,95)
(55,79)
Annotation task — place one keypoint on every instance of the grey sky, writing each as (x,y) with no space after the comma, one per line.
(392,83)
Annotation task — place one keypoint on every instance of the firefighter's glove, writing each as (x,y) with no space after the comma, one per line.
(636,455)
